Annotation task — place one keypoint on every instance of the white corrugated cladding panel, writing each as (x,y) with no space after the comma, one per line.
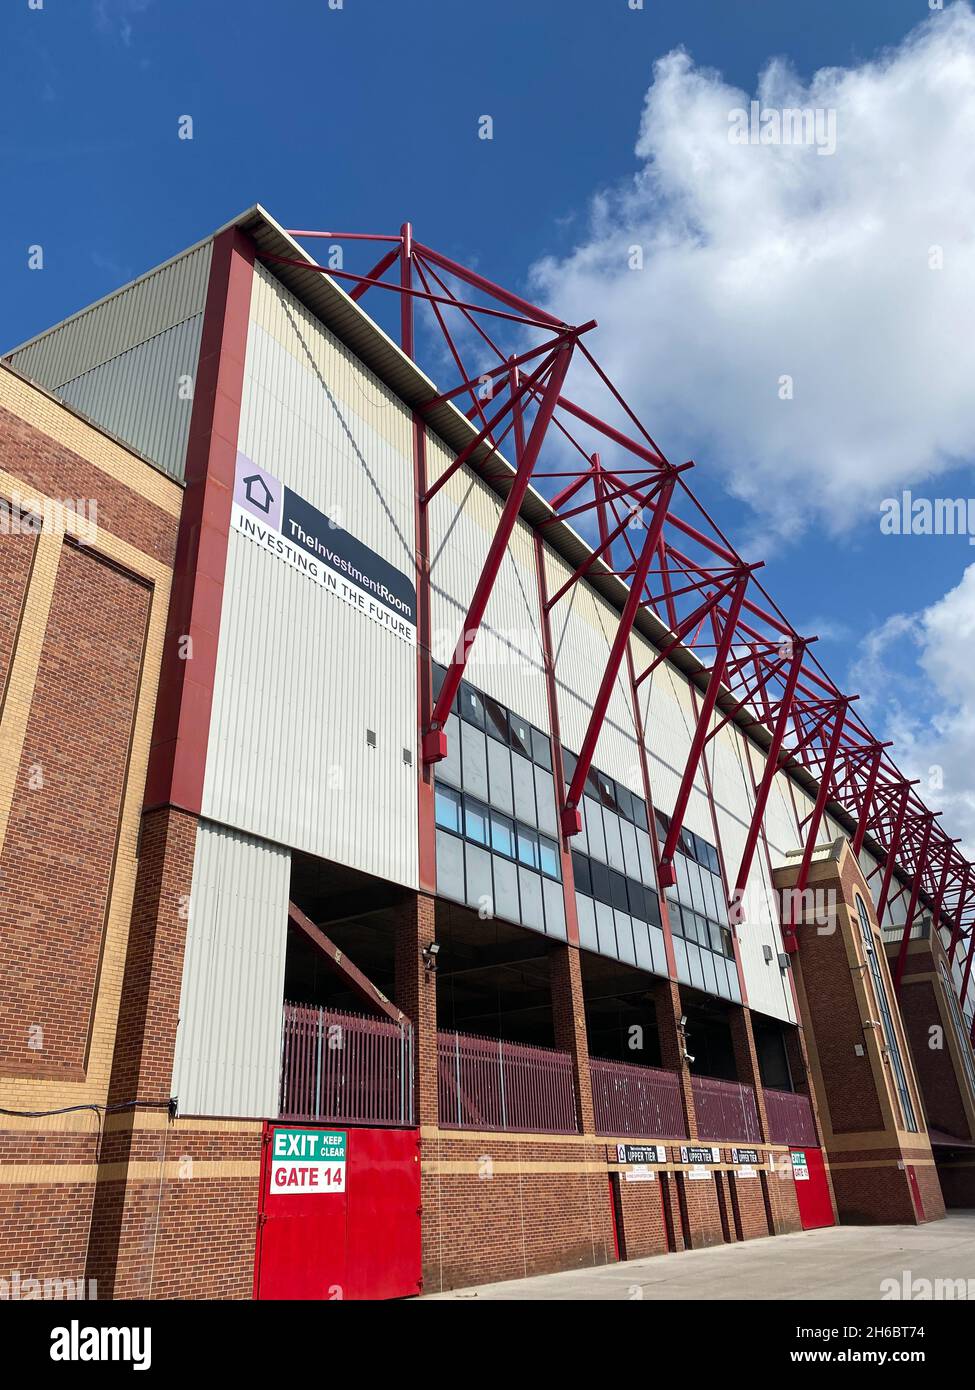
(506,660)
(766,984)
(583,628)
(93,362)
(228,1044)
(669,720)
(301,677)
(781,828)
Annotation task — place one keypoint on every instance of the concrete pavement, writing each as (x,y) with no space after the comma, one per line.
(842,1262)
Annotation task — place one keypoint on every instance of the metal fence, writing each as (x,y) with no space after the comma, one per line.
(345,1068)
(484,1083)
(725,1109)
(642,1101)
(790,1118)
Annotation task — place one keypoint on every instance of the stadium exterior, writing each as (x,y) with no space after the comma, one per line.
(376,780)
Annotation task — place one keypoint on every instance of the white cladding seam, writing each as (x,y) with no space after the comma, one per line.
(583,626)
(145,395)
(228,1043)
(506,660)
(129,362)
(302,678)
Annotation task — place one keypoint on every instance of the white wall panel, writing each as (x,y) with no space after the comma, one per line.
(506,659)
(583,628)
(228,1044)
(300,676)
(669,720)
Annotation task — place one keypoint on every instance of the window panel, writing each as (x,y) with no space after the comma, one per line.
(624,801)
(521,735)
(502,835)
(637,899)
(617,888)
(447,808)
(471,706)
(527,847)
(497,719)
(600,881)
(580,872)
(548,857)
(541,748)
(476,821)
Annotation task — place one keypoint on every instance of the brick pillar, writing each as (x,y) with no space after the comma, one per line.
(746,1062)
(125,1217)
(666,1001)
(416,994)
(569,1024)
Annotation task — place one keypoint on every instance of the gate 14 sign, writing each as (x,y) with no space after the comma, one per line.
(307,1162)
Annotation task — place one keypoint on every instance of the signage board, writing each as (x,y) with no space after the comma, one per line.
(274,517)
(641,1153)
(745,1156)
(800,1168)
(698,1153)
(640,1173)
(307,1162)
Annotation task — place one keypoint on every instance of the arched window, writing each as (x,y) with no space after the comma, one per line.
(886,1017)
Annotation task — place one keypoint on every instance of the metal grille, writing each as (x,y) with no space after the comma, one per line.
(345,1068)
(485,1083)
(790,1118)
(642,1101)
(725,1109)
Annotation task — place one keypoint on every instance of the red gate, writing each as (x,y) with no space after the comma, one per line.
(812,1188)
(339,1214)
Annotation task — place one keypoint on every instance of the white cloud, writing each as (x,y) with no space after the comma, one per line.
(769,260)
(915,676)
(114,17)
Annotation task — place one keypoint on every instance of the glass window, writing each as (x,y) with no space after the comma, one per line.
(548,857)
(727,943)
(713,897)
(592,783)
(600,881)
(541,748)
(580,872)
(497,719)
(471,705)
(527,846)
(640,812)
(569,764)
(624,801)
(521,735)
(883,1004)
(653,906)
(637,897)
(713,862)
(439,676)
(663,824)
(686,842)
(676,919)
(448,808)
(475,821)
(700,849)
(683,882)
(697,891)
(617,887)
(607,792)
(502,835)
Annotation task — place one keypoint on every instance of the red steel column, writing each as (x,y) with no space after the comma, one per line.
(922,861)
(895,841)
(177,755)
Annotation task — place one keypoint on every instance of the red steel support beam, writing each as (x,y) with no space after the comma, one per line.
(968,968)
(435,739)
(571,816)
(812,830)
(894,846)
(360,984)
(667,875)
(956,930)
(921,865)
(771,768)
(861,829)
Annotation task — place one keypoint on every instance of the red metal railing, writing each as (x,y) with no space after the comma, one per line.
(725,1109)
(790,1118)
(484,1083)
(345,1068)
(642,1101)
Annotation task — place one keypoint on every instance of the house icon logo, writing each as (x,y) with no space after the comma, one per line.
(258,493)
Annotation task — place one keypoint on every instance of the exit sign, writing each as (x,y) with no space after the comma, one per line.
(307,1162)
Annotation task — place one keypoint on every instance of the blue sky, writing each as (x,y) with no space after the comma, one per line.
(366,115)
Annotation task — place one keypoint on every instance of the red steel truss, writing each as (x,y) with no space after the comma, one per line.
(603,471)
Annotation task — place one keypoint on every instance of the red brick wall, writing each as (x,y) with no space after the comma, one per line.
(44,1225)
(58,855)
(507,1219)
(16,556)
(933,1065)
(643,1212)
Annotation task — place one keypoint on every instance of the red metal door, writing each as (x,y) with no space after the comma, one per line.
(915,1192)
(812,1188)
(338,1227)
